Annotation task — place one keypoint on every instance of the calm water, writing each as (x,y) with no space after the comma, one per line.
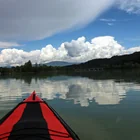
(95,109)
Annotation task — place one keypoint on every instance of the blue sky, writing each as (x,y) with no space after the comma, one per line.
(43,30)
(125,28)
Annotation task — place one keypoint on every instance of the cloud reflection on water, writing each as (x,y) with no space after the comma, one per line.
(81,90)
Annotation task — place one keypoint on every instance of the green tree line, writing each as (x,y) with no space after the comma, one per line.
(28,67)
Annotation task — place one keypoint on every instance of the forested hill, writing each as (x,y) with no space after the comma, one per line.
(58,63)
(124,61)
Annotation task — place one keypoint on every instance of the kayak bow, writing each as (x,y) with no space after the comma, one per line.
(34,119)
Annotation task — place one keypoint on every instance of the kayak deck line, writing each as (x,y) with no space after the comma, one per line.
(34,118)
(65,135)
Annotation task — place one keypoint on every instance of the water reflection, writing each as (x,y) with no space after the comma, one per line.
(81,90)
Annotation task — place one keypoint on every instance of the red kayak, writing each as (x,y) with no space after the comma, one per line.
(34,119)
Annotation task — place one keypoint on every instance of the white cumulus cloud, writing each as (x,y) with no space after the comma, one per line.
(76,51)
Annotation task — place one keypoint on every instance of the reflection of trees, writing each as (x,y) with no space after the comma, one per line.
(27,79)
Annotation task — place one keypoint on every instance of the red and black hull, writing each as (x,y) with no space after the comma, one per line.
(34,119)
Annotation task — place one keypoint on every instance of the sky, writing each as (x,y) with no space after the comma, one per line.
(67,30)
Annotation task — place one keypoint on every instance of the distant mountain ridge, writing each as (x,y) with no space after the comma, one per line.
(58,63)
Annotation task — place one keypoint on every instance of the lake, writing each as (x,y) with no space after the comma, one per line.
(96,109)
